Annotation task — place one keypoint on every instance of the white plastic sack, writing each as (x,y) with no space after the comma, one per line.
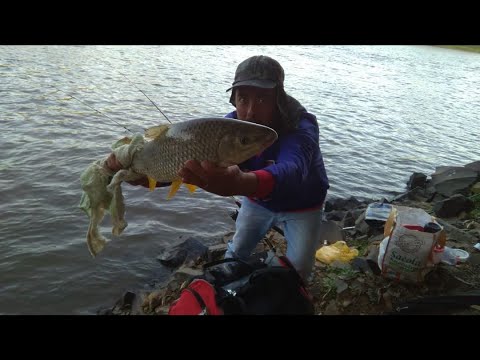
(406,254)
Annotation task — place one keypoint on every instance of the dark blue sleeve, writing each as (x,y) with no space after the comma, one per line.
(231,115)
(295,154)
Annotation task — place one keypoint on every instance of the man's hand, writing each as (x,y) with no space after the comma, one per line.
(113,164)
(218,180)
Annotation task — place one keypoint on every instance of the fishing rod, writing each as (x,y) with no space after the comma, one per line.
(145,96)
(84,103)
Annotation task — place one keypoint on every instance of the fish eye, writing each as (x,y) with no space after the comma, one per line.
(244,140)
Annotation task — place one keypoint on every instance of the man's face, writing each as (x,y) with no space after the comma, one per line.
(256,104)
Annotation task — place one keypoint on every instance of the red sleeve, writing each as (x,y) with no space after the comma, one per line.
(266,183)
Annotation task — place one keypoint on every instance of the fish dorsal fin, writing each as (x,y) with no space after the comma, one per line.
(156,131)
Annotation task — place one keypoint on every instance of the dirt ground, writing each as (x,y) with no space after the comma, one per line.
(355,289)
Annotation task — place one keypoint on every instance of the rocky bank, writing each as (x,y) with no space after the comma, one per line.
(451,194)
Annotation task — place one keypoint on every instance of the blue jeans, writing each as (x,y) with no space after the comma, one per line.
(301,229)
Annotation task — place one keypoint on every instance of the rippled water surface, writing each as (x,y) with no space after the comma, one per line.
(383,111)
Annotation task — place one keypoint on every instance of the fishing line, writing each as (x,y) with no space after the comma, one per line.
(84,103)
(131,82)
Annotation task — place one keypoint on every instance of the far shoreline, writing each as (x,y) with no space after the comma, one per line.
(469,48)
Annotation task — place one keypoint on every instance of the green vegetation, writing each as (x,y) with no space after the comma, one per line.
(360,245)
(342,273)
(475,213)
(346,274)
(471,48)
(328,283)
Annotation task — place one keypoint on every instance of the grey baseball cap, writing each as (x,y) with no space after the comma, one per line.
(259,71)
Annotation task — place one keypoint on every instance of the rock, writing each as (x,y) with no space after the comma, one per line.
(450,180)
(227,237)
(105,311)
(189,251)
(416,180)
(348,220)
(387,299)
(474,258)
(475,166)
(471,224)
(361,264)
(127,299)
(153,300)
(455,234)
(357,286)
(162,310)
(335,215)
(342,204)
(453,206)
(340,285)
(331,231)
(331,308)
(361,226)
(216,252)
(185,273)
(362,238)
(376,238)
(474,234)
(416,194)
(438,197)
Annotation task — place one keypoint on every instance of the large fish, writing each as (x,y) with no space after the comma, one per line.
(159,155)
(221,141)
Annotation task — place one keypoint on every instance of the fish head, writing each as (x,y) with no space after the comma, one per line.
(244,140)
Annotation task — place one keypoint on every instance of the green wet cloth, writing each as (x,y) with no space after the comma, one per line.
(102,191)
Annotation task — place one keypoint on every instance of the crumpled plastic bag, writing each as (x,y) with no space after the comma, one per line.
(339,251)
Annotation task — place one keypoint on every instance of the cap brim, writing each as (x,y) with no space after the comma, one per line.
(264,84)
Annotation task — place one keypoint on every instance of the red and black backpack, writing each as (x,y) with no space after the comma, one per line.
(264,284)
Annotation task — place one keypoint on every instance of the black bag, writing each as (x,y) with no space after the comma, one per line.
(264,284)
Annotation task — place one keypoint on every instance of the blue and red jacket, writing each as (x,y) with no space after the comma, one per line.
(291,173)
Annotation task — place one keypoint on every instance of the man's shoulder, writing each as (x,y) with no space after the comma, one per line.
(231,115)
(306,127)
(308,118)
(308,122)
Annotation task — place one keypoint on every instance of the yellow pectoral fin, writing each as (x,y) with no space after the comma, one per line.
(174,188)
(152,183)
(191,187)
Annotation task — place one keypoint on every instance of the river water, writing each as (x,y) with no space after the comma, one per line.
(384,112)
